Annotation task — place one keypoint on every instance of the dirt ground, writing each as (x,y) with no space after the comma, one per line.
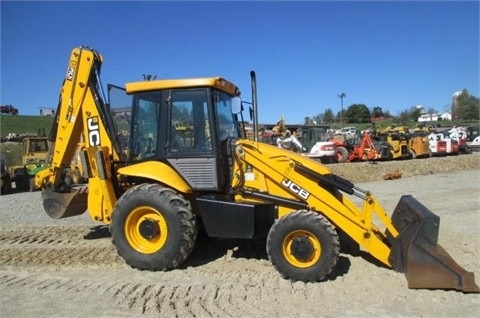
(69,267)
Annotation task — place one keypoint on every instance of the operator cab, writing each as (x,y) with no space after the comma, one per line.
(186,123)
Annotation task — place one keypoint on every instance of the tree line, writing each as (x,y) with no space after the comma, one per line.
(464,107)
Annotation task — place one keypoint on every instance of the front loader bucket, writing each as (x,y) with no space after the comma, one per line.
(416,253)
(60,205)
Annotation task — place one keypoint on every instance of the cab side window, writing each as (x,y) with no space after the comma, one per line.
(189,130)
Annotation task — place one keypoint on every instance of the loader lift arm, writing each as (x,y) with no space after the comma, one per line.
(406,241)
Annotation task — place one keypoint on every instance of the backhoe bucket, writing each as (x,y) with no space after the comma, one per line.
(416,253)
(60,205)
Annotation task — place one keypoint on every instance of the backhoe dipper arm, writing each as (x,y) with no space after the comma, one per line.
(81,111)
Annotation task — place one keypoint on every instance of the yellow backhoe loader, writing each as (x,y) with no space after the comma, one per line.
(156,186)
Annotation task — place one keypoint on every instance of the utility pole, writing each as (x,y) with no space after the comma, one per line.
(341,96)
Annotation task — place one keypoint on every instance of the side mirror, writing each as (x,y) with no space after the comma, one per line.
(237,106)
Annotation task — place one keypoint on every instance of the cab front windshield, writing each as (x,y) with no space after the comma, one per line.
(227,125)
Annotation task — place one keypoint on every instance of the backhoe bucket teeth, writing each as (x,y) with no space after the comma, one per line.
(416,253)
(60,205)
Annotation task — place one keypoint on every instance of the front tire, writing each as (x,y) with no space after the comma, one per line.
(153,228)
(31,183)
(412,153)
(303,246)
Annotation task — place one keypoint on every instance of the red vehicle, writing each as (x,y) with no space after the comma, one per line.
(8,109)
(341,150)
(366,150)
(451,145)
(360,150)
(463,146)
(438,147)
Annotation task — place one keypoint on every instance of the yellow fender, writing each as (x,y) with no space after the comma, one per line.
(157,171)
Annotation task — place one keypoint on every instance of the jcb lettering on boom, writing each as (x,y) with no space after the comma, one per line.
(93,132)
(71,71)
(304,194)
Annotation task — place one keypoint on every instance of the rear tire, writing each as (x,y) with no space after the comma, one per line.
(341,153)
(303,246)
(153,228)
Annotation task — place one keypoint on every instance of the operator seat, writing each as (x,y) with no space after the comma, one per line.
(176,142)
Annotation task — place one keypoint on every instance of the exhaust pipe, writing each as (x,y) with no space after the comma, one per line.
(253,79)
(416,253)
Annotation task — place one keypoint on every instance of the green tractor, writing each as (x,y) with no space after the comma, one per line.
(35,150)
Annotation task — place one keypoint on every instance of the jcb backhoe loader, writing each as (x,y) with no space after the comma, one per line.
(155,186)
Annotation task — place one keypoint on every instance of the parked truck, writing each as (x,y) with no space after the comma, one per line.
(8,109)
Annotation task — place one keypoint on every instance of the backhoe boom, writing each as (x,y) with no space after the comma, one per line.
(82,114)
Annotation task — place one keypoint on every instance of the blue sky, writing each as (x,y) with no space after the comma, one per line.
(392,54)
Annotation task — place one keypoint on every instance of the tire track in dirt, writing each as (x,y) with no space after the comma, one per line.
(227,278)
(160,299)
(56,246)
(82,247)
(52,234)
(57,235)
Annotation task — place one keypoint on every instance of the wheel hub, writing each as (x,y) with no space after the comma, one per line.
(149,228)
(301,247)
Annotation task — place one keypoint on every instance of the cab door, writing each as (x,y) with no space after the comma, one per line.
(190,148)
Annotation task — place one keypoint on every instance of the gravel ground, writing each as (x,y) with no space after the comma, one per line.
(69,267)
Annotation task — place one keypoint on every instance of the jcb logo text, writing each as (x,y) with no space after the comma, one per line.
(304,194)
(71,71)
(93,131)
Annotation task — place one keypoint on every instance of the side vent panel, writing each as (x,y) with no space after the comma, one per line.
(200,173)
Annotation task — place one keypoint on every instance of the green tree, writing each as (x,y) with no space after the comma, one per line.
(358,113)
(466,106)
(377,112)
(409,115)
(414,113)
(328,116)
(404,117)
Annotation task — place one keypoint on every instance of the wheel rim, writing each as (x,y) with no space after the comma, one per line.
(135,230)
(308,240)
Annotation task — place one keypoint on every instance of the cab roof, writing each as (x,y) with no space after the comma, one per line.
(214,82)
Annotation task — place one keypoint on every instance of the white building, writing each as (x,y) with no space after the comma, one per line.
(47,111)
(446,116)
(434,117)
